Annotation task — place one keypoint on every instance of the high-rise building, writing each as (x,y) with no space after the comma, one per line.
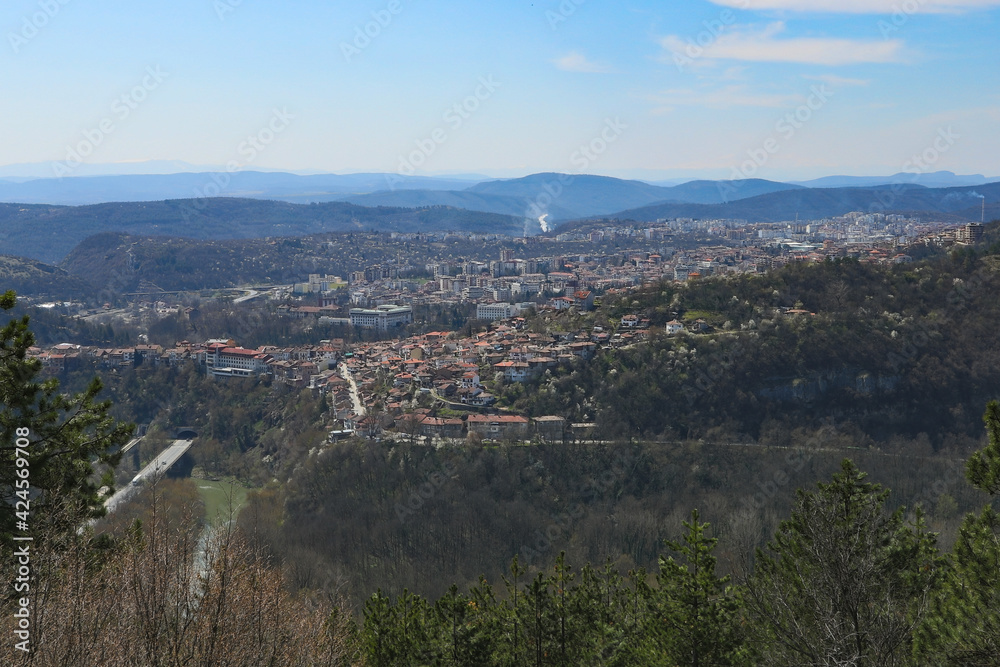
(971,233)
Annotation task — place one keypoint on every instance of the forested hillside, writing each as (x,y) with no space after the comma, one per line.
(48,233)
(360,516)
(28,277)
(908,351)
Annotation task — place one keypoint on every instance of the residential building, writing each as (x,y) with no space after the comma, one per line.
(970,234)
(550,428)
(494,311)
(498,427)
(383,318)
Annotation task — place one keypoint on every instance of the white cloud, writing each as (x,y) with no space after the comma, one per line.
(750,44)
(862,6)
(838,81)
(574,61)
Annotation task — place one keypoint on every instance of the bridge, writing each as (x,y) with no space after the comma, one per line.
(157,468)
(131,443)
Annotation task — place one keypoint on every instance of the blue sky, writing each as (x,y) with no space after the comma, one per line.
(777,89)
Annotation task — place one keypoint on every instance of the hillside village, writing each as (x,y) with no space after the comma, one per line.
(390,385)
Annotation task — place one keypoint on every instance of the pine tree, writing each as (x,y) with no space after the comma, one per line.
(51,444)
(696,611)
(843,581)
(965,626)
(457,635)
(512,619)
(983,467)
(396,635)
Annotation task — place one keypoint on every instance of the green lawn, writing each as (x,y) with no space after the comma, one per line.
(216,496)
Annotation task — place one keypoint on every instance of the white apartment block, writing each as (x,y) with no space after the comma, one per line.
(383,318)
(222,359)
(494,311)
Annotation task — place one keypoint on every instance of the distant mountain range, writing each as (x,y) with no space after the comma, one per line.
(564,197)
(560,196)
(33,170)
(257,204)
(280,186)
(934,179)
(818,203)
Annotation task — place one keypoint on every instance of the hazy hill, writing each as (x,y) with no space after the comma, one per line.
(561,196)
(121,262)
(474,201)
(600,194)
(48,233)
(936,179)
(259,185)
(817,203)
(564,196)
(717,192)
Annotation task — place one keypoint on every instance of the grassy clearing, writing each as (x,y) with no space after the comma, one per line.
(217,494)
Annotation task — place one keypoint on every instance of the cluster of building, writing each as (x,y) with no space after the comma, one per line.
(966,235)
(507,286)
(373,387)
(221,358)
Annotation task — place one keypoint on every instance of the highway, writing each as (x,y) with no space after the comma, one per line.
(251,294)
(158,466)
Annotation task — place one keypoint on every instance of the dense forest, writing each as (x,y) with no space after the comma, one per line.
(362,515)
(843,581)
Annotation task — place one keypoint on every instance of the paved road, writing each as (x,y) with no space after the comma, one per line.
(345,373)
(158,466)
(251,294)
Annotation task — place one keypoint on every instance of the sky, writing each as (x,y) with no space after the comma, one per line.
(779,89)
